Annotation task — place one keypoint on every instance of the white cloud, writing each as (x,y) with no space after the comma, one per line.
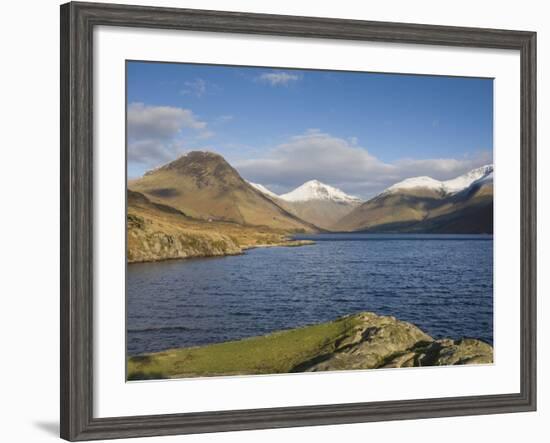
(345,164)
(156,134)
(160,121)
(279,78)
(196,87)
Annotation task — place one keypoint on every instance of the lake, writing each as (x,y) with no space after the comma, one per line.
(441,283)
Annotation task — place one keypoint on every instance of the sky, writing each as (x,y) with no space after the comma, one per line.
(360,132)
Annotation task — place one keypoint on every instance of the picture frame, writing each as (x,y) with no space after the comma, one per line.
(78,21)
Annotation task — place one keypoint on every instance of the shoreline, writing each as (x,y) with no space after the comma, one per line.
(359,341)
(242,249)
(157,232)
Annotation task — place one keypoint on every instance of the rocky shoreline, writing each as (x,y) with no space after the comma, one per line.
(161,246)
(158,232)
(359,341)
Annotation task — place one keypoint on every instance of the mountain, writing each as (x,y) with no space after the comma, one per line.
(315,202)
(203,185)
(423,204)
(314,190)
(447,187)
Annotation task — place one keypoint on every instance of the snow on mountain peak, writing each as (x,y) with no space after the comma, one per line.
(315,190)
(263,190)
(452,186)
(417,182)
(462,182)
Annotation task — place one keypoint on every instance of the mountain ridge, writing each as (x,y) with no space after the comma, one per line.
(425,205)
(204,185)
(451,186)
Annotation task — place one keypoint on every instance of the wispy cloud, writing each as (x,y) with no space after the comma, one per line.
(196,87)
(278,78)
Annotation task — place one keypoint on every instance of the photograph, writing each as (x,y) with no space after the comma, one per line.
(295,220)
(266,222)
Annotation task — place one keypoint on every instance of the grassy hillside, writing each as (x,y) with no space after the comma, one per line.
(389,209)
(424,211)
(359,341)
(204,186)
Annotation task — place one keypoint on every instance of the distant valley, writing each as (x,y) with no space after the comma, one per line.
(315,202)
(199,205)
(463,205)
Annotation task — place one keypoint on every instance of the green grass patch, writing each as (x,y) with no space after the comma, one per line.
(278,352)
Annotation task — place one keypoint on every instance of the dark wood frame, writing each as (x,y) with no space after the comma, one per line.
(77,23)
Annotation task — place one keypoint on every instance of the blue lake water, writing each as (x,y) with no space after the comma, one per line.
(441,283)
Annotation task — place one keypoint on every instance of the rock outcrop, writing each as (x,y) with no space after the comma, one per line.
(159,232)
(359,341)
(385,342)
(147,242)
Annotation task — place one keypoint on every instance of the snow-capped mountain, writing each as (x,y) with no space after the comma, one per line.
(314,202)
(462,205)
(263,190)
(315,190)
(447,187)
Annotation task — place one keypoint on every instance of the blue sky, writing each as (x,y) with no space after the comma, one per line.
(360,132)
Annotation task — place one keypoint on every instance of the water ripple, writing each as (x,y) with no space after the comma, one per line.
(442,283)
